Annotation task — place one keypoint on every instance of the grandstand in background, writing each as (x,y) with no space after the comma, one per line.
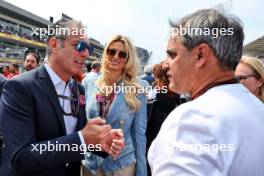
(255,48)
(16,36)
(16,33)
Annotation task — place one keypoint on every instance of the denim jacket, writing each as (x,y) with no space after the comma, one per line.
(134,132)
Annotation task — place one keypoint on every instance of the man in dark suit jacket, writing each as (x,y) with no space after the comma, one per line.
(2,81)
(41,136)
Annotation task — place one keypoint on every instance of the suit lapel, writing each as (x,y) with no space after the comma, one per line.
(81,116)
(49,89)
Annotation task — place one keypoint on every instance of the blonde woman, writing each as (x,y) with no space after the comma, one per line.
(250,72)
(115,95)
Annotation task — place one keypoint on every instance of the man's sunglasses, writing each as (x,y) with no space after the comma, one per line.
(74,100)
(121,54)
(82,45)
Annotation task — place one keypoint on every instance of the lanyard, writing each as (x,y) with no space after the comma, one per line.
(105,105)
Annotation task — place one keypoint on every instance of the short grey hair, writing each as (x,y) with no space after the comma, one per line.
(227,48)
(66,24)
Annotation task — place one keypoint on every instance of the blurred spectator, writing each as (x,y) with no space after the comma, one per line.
(92,75)
(164,102)
(250,72)
(261,57)
(148,74)
(143,83)
(89,66)
(19,31)
(13,70)
(31,61)
(95,69)
(6,71)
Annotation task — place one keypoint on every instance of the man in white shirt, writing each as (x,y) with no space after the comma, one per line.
(96,67)
(220,132)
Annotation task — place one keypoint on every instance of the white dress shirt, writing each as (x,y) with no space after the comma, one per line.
(63,89)
(221,133)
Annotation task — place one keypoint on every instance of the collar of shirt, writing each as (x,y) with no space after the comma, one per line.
(56,80)
(63,89)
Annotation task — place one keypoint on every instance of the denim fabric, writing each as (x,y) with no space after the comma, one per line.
(86,84)
(134,132)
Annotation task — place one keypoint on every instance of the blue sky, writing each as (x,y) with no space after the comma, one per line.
(143,21)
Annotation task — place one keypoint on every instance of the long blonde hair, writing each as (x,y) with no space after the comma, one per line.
(258,68)
(130,71)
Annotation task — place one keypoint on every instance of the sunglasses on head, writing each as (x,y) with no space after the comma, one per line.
(82,45)
(121,54)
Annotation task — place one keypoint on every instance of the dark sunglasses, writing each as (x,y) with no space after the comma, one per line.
(121,54)
(74,100)
(82,45)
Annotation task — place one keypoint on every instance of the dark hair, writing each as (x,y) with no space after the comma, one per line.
(95,64)
(89,66)
(33,54)
(160,75)
(16,66)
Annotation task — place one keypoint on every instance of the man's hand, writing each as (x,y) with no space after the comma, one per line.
(96,131)
(114,143)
